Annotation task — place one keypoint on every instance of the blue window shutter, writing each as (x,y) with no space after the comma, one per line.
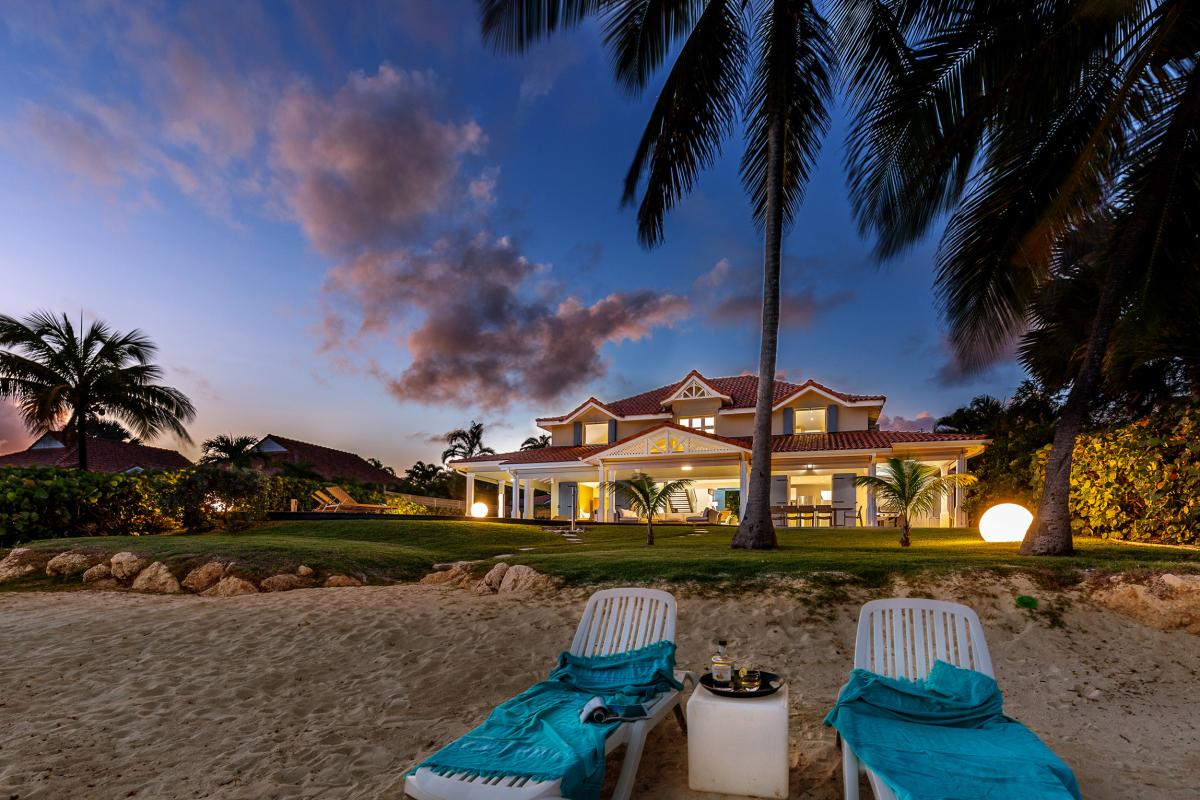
(789,420)
(577,432)
(612,431)
(831,422)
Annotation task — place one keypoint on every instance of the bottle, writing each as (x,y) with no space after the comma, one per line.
(722,665)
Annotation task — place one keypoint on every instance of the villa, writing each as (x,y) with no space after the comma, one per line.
(700,428)
(104,455)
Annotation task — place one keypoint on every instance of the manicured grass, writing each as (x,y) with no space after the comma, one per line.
(405,550)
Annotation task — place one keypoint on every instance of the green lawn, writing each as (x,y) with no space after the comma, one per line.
(406,550)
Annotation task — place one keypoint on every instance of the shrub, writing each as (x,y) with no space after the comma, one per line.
(207,495)
(1138,482)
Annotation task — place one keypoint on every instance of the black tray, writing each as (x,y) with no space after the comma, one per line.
(764,689)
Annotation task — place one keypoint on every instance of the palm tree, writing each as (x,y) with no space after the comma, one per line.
(768,61)
(466,442)
(379,465)
(427,479)
(68,380)
(111,430)
(536,442)
(645,497)
(1024,121)
(236,451)
(910,489)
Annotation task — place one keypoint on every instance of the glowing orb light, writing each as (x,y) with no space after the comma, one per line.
(479,510)
(1006,522)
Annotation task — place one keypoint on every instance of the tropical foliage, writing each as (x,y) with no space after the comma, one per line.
(910,489)
(60,378)
(430,480)
(234,451)
(645,497)
(465,443)
(536,442)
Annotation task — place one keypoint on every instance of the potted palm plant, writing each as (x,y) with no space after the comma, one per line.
(909,489)
(646,497)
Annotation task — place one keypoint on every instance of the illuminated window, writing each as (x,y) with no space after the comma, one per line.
(706,424)
(810,420)
(595,433)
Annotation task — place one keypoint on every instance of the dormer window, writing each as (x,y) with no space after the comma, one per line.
(706,424)
(810,420)
(595,433)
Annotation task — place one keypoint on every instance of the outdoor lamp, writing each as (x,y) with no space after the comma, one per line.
(479,510)
(1006,522)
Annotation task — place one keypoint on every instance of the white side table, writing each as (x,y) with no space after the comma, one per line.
(738,747)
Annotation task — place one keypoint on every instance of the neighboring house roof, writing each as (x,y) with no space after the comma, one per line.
(742,391)
(104,455)
(328,463)
(796,443)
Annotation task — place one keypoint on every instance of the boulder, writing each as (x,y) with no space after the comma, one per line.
(21,562)
(304,572)
(495,577)
(337,581)
(456,574)
(1169,602)
(156,579)
(204,576)
(126,566)
(70,563)
(283,583)
(520,578)
(230,587)
(100,572)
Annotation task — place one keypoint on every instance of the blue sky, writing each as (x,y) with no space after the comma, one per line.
(363,228)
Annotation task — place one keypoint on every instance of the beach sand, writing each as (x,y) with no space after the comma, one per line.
(336,693)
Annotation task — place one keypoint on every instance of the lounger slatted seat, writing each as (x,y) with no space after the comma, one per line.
(614,621)
(347,503)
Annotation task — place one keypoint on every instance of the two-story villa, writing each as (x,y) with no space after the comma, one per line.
(700,428)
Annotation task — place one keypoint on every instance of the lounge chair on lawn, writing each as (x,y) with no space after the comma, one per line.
(614,621)
(904,638)
(325,502)
(347,503)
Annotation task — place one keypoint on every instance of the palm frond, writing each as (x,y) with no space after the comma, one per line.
(514,25)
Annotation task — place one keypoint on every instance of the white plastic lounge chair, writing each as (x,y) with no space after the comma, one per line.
(614,621)
(901,638)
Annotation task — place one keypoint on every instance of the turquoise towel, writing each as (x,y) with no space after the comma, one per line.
(538,733)
(946,738)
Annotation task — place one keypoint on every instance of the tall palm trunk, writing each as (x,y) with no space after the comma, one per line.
(649,529)
(1050,534)
(755,530)
(81,437)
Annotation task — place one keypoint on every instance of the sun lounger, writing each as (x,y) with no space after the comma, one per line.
(347,503)
(324,501)
(614,621)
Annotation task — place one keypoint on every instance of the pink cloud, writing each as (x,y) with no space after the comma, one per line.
(922,422)
(13,434)
(722,291)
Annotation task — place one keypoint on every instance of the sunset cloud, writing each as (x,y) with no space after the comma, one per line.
(922,422)
(13,435)
(722,291)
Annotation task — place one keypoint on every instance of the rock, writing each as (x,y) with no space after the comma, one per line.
(100,572)
(21,562)
(304,572)
(337,581)
(230,587)
(1168,602)
(495,577)
(204,576)
(481,587)
(69,564)
(282,583)
(156,579)
(520,578)
(126,566)
(456,574)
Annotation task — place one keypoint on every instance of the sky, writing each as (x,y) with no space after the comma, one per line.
(355,224)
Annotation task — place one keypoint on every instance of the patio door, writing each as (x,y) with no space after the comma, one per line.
(568,492)
(844,500)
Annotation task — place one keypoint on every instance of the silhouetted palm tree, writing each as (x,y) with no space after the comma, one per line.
(536,442)
(645,497)
(379,465)
(236,451)
(111,430)
(768,61)
(63,379)
(1023,120)
(910,489)
(466,442)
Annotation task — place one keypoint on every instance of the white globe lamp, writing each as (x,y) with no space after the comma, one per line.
(1006,522)
(479,510)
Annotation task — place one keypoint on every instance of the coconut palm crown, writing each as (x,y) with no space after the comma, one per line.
(68,380)
(910,489)
(466,442)
(236,451)
(646,497)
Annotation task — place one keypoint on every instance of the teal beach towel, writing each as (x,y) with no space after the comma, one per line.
(946,738)
(538,733)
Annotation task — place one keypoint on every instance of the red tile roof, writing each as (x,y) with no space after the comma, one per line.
(742,389)
(328,463)
(104,455)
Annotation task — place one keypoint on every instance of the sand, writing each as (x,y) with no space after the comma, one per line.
(335,693)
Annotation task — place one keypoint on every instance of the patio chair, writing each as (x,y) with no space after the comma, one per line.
(709,517)
(901,638)
(614,621)
(324,501)
(806,514)
(347,503)
(824,514)
(625,515)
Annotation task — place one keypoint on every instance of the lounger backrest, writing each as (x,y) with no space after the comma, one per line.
(340,494)
(617,620)
(324,498)
(902,638)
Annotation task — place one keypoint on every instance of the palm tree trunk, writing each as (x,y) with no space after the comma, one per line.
(905,539)
(649,530)
(81,436)
(755,530)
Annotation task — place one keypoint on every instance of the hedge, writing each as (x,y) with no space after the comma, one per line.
(1139,482)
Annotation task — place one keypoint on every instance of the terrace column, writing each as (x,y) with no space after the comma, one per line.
(872,511)
(470,496)
(611,496)
(742,480)
(945,501)
(528,507)
(601,496)
(515,509)
(553,498)
(500,499)
(960,514)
